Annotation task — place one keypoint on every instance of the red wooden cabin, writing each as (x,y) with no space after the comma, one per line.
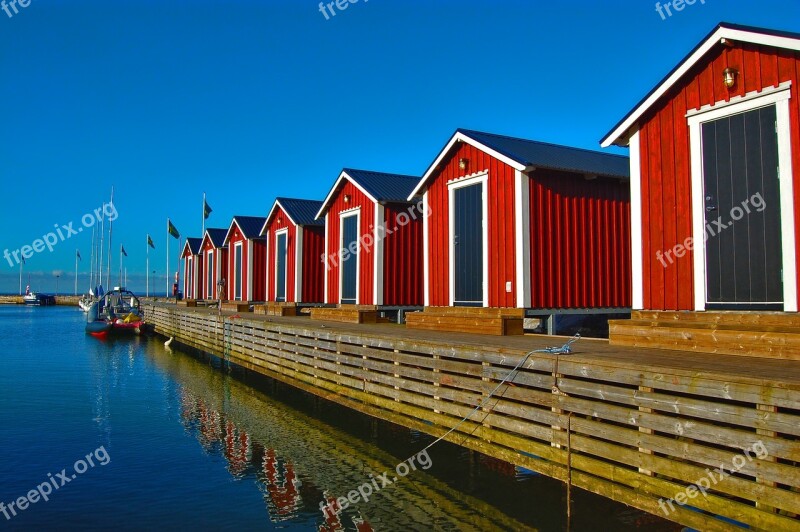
(214,255)
(295,241)
(192,269)
(247,256)
(373,240)
(525,224)
(714,158)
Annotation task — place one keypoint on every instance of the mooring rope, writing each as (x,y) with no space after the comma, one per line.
(562,350)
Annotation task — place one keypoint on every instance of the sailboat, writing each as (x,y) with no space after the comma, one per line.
(96,290)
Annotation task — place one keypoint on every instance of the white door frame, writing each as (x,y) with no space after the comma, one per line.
(342,215)
(480,178)
(278,233)
(778,97)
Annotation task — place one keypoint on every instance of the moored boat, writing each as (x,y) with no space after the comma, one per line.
(32,298)
(117,312)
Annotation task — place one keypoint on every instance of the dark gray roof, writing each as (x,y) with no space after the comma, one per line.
(302,211)
(553,156)
(384,187)
(217,236)
(194,244)
(250,226)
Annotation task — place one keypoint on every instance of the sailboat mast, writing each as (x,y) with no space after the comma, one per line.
(100,249)
(110,234)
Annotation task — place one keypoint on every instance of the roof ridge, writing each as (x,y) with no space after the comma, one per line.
(406,176)
(541,143)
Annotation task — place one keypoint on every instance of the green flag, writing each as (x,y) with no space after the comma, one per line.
(172,230)
(122,250)
(150,242)
(206,209)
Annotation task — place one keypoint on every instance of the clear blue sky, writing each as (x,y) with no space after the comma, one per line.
(247,100)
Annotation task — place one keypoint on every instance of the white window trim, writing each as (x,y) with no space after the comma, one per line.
(780,99)
(210,274)
(637,255)
(342,215)
(378,236)
(278,234)
(522,236)
(298,263)
(325,261)
(236,297)
(250,283)
(426,280)
(480,178)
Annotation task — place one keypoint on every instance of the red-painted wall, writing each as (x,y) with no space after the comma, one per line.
(312,279)
(220,266)
(665,159)
(365,256)
(259,266)
(580,241)
(313,282)
(278,222)
(500,186)
(402,255)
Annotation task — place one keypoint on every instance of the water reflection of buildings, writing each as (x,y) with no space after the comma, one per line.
(276,476)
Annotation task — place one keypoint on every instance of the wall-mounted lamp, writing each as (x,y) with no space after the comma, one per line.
(280,219)
(729,76)
(347,198)
(463,163)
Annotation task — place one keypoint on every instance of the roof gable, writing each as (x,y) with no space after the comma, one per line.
(379,187)
(299,211)
(724,31)
(192,245)
(216,236)
(524,154)
(249,226)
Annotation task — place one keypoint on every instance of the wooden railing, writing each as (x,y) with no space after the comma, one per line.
(643,436)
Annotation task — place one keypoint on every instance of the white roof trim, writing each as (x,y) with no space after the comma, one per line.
(461,137)
(271,212)
(228,234)
(721,33)
(335,186)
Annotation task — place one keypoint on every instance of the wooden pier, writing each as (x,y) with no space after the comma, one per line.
(643,427)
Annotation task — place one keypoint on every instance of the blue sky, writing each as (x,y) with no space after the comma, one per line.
(248,100)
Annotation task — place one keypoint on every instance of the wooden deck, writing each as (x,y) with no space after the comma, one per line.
(750,334)
(639,426)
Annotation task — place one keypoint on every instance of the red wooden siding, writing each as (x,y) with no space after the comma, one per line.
(665,159)
(313,281)
(259,271)
(580,234)
(365,256)
(500,189)
(402,255)
(235,237)
(209,292)
(278,222)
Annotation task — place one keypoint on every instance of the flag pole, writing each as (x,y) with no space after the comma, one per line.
(204,215)
(168,257)
(147,273)
(76,272)
(20,276)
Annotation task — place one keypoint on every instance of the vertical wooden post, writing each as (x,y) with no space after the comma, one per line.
(645,389)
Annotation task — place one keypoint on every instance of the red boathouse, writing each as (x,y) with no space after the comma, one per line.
(373,240)
(714,157)
(214,255)
(192,269)
(515,223)
(295,241)
(247,255)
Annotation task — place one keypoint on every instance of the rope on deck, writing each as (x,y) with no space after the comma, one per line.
(560,350)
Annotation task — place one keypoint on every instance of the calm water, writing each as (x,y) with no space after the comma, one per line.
(187,445)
